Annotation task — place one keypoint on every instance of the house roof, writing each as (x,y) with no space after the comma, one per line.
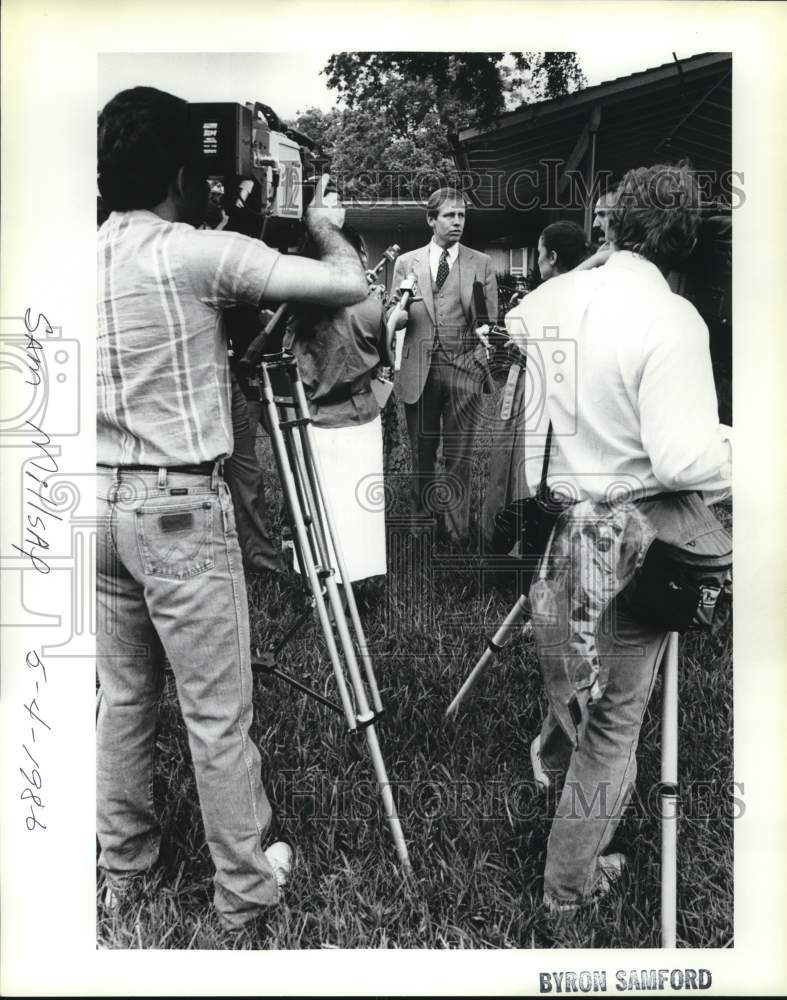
(679,110)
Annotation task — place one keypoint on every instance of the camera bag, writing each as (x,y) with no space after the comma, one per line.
(530,520)
(685,580)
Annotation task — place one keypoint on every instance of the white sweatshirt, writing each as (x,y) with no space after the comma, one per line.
(621,366)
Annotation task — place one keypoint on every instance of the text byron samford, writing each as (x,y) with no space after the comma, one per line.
(624,980)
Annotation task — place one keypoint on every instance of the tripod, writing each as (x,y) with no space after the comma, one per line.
(319,554)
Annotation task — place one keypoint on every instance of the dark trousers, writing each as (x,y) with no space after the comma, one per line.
(244,477)
(452,397)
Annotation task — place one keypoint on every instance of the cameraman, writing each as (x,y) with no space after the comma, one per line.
(170,580)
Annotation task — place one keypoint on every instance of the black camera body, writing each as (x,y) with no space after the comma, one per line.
(260,171)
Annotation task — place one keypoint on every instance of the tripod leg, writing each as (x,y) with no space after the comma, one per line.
(365,717)
(387,797)
(299,528)
(322,510)
(295,460)
(316,480)
(669,794)
(500,638)
(321,533)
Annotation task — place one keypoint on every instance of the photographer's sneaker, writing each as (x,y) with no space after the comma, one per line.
(540,775)
(609,871)
(280,857)
(120,890)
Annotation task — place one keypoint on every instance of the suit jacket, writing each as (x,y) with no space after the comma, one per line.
(419,333)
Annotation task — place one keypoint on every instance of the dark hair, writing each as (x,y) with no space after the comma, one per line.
(567,240)
(142,143)
(439,197)
(655,213)
(354,238)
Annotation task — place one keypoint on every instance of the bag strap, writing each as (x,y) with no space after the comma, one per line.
(542,486)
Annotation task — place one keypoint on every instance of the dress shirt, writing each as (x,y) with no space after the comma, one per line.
(436,252)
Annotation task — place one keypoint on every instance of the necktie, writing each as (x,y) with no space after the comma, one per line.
(442,269)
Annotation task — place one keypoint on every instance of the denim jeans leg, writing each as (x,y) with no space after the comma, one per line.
(602,769)
(204,626)
(555,750)
(129,666)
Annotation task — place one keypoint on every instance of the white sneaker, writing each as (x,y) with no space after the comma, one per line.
(540,775)
(120,889)
(280,857)
(112,899)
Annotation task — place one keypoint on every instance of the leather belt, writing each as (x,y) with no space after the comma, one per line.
(341,393)
(203,469)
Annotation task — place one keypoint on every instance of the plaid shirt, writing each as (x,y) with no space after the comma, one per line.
(163,374)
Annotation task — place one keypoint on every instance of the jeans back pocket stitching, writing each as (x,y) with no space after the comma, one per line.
(147,556)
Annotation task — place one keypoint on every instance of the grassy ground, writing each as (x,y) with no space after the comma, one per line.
(474,821)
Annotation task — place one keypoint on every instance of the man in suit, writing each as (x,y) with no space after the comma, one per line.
(443,368)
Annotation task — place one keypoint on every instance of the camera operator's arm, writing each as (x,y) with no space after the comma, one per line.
(336,279)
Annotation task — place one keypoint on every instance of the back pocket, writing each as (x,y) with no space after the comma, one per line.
(176,542)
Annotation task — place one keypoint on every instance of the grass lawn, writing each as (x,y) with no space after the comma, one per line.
(474,820)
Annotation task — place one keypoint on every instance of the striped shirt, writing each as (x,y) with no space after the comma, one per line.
(163,374)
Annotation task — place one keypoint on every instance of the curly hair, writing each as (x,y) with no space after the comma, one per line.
(142,143)
(567,240)
(655,213)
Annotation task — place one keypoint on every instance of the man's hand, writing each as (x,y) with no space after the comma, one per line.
(601,256)
(337,278)
(324,209)
(397,318)
(405,294)
(482,332)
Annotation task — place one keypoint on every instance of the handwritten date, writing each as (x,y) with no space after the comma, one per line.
(31,772)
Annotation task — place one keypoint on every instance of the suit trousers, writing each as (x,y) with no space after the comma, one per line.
(452,396)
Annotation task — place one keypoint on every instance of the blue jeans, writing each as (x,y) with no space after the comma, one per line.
(170,584)
(593,762)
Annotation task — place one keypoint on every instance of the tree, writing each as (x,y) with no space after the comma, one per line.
(400,112)
(463,88)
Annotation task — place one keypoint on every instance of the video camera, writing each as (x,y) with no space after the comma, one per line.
(261,173)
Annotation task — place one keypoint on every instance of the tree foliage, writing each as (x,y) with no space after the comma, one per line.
(399,113)
(462,88)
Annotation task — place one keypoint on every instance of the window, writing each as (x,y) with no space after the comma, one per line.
(517,260)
